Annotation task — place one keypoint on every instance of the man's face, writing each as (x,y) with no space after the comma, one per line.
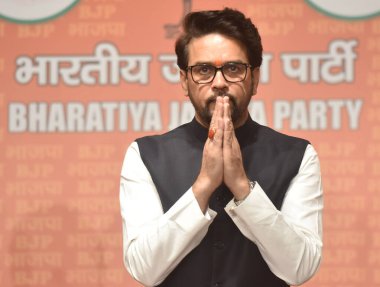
(217,50)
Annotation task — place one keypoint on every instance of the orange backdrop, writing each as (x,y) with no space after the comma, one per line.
(77,88)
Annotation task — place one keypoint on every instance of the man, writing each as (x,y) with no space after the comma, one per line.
(222,200)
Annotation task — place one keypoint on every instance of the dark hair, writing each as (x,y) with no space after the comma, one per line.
(228,22)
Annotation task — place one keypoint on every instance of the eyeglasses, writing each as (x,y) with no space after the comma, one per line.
(232,72)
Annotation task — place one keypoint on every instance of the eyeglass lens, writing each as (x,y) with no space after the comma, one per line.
(232,72)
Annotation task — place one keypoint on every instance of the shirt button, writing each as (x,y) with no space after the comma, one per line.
(219,245)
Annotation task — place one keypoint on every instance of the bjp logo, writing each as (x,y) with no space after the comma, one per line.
(26,11)
(347,9)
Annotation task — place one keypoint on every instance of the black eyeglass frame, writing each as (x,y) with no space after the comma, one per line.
(218,69)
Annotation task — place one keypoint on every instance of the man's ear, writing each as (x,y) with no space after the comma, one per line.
(255,80)
(183,79)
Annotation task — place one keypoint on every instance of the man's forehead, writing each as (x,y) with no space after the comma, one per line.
(218,62)
(216,49)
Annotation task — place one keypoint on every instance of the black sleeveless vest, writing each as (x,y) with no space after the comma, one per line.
(225,257)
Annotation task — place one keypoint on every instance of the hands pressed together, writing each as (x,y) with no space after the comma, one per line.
(222,159)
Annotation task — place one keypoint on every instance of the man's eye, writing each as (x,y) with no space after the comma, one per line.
(204,69)
(233,68)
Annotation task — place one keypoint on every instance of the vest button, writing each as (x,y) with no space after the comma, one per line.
(217,284)
(219,245)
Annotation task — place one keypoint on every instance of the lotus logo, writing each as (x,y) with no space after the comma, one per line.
(347,9)
(32,11)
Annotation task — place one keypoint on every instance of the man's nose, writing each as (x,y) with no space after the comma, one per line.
(219,81)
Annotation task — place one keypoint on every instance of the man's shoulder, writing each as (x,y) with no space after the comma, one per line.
(266,133)
(177,132)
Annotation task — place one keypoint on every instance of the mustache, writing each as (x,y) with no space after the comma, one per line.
(212,99)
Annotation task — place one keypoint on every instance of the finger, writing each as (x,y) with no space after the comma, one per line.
(218,112)
(226,112)
(226,108)
(219,132)
(228,125)
(228,134)
(215,125)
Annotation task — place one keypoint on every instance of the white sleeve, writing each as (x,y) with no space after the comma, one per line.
(153,242)
(289,240)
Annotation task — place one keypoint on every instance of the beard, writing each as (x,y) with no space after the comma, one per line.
(237,111)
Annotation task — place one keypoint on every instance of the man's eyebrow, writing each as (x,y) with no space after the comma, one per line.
(203,63)
(214,64)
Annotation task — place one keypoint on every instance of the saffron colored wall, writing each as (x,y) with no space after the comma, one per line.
(80,80)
